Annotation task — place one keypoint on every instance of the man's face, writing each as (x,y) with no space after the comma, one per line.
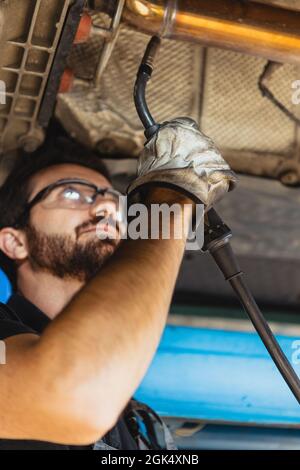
(63,241)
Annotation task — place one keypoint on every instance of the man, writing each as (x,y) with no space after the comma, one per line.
(79,339)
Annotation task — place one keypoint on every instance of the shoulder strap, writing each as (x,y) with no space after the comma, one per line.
(135,413)
(7,312)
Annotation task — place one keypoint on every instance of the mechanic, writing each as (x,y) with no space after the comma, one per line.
(86,315)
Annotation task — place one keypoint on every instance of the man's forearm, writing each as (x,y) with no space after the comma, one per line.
(109,332)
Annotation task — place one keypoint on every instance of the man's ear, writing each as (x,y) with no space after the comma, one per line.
(13,243)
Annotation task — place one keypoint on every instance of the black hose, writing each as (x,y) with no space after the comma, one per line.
(140,101)
(266,335)
(227,262)
(143,75)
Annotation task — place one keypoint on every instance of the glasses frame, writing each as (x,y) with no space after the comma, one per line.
(45,191)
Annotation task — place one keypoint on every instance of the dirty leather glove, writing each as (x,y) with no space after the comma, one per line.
(181,157)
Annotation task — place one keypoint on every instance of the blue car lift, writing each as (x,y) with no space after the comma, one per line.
(220,376)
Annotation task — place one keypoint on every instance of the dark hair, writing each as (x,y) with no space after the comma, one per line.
(14,192)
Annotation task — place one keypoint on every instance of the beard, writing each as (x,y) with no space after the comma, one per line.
(66,258)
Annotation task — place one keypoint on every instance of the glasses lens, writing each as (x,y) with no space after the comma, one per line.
(76,196)
(69,196)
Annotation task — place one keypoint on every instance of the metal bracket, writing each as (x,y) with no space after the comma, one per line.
(110,36)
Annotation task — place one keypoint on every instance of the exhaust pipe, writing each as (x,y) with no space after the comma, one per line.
(238,25)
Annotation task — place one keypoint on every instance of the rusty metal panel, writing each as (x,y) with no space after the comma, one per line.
(234,112)
(28,44)
(105,116)
(219,88)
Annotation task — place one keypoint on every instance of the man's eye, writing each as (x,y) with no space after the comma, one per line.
(71,194)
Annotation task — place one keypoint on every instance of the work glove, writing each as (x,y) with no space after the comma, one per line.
(181,157)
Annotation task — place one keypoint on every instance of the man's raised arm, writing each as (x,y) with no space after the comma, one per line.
(71,384)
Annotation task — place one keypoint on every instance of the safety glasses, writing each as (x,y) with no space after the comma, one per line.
(74,193)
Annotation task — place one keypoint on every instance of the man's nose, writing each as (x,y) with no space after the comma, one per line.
(104,206)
